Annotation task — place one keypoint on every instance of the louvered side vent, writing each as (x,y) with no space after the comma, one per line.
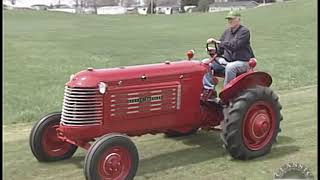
(82,106)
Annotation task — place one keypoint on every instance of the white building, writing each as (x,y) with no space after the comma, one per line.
(232,6)
(166,10)
(189,8)
(63,8)
(111,10)
(29,3)
(143,10)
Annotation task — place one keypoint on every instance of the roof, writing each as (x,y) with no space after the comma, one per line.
(39,5)
(168,3)
(235,3)
(167,6)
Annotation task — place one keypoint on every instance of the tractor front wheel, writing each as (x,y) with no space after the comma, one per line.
(251,124)
(44,142)
(113,156)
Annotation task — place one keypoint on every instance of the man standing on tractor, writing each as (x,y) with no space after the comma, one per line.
(234,52)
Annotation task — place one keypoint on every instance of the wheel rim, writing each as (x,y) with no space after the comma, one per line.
(259,125)
(115,163)
(52,145)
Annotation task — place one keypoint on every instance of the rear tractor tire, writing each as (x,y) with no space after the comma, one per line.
(251,123)
(44,142)
(113,156)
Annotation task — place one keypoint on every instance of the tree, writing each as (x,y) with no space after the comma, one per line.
(128,3)
(182,4)
(203,5)
(149,7)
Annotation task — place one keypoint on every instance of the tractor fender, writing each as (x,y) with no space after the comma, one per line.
(244,81)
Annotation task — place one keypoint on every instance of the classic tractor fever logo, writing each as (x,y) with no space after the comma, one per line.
(293,171)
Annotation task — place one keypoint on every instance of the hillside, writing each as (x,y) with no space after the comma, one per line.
(42,49)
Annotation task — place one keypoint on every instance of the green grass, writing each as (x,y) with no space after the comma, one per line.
(42,49)
(200,156)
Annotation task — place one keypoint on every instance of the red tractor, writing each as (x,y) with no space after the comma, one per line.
(103,107)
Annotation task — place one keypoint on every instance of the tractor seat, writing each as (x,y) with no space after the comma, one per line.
(221,74)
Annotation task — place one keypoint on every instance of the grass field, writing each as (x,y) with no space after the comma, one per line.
(200,156)
(42,49)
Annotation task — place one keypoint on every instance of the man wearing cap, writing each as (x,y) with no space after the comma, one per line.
(234,51)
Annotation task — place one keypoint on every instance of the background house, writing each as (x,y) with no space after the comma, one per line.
(142,10)
(63,8)
(231,6)
(40,7)
(167,6)
(189,8)
(111,10)
(167,9)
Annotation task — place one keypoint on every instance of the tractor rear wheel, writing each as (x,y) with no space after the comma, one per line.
(251,123)
(113,156)
(171,134)
(44,142)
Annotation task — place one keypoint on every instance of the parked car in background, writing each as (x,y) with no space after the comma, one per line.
(63,8)
(40,7)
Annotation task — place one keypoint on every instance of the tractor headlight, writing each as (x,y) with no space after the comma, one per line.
(71,77)
(102,87)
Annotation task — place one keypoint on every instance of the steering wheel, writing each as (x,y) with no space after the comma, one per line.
(212,52)
(213,56)
(215,46)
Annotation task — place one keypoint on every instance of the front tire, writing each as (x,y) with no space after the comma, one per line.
(44,142)
(252,123)
(113,156)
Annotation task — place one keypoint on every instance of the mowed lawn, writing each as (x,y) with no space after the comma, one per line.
(42,49)
(200,156)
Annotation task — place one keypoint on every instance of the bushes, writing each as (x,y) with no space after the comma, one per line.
(203,5)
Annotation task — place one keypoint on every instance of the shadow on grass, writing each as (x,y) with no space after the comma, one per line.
(204,146)
(285,140)
(77,160)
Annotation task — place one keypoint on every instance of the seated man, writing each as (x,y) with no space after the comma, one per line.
(234,52)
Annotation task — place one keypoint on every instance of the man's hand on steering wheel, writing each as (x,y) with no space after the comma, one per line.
(212,40)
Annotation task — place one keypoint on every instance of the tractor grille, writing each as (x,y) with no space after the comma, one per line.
(81,106)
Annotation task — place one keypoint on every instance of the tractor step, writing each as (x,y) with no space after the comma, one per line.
(216,101)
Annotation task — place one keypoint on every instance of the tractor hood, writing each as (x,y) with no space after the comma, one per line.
(91,77)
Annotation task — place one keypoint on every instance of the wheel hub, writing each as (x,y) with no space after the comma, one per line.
(52,144)
(259,125)
(113,165)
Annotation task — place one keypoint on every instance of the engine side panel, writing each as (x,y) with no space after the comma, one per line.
(154,106)
(142,101)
